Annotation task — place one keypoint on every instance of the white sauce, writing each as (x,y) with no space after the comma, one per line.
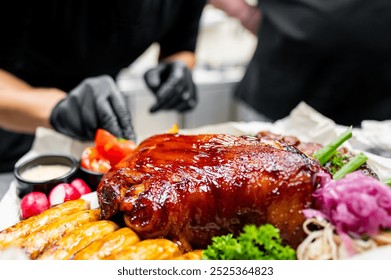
(45,172)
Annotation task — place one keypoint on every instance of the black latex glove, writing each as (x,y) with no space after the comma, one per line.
(173,86)
(94,103)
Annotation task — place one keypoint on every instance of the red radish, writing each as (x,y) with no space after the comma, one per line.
(81,186)
(33,204)
(63,192)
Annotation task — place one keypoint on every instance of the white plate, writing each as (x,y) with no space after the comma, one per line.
(380,253)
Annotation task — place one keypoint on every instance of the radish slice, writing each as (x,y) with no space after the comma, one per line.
(81,186)
(33,204)
(63,192)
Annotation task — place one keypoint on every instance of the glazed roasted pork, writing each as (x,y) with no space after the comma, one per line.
(189,188)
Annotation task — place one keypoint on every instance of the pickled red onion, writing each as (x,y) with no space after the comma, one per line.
(356,205)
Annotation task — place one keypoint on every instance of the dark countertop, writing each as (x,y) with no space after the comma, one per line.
(5,181)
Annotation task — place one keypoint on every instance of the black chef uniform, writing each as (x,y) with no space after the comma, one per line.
(55,43)
(333,54)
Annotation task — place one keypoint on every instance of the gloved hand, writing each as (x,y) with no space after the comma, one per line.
(94,103)
(173,87)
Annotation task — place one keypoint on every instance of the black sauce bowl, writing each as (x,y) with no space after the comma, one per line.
(91,178)
(26,186)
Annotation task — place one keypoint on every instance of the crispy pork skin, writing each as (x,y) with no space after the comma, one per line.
(189,188)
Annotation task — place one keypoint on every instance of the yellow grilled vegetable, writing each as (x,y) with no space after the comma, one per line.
(66,247)
(193,255)
(110,244)
(15,235)
(149,249)
(37,242)
(174,129)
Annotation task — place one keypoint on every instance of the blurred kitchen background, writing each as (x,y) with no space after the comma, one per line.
(223,51)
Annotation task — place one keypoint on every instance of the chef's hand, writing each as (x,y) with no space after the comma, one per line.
(94,103)
(173,86)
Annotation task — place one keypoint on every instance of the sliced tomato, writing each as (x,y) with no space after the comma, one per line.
(92,160)
(127,146)
(112,148)
(103,138)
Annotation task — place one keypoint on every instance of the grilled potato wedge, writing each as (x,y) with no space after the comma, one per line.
(193,255)
(110,244)
(16,234)
(149,249)
(37,242)
(66,247)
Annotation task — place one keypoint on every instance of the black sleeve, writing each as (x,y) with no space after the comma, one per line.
(295,19)
(329,23)
(183,34)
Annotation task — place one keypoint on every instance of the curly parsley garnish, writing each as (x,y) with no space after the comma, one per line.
(254,243)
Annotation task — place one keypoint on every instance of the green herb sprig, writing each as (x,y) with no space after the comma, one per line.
(387,181)
(351,166)
(324,154)
(254,243)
